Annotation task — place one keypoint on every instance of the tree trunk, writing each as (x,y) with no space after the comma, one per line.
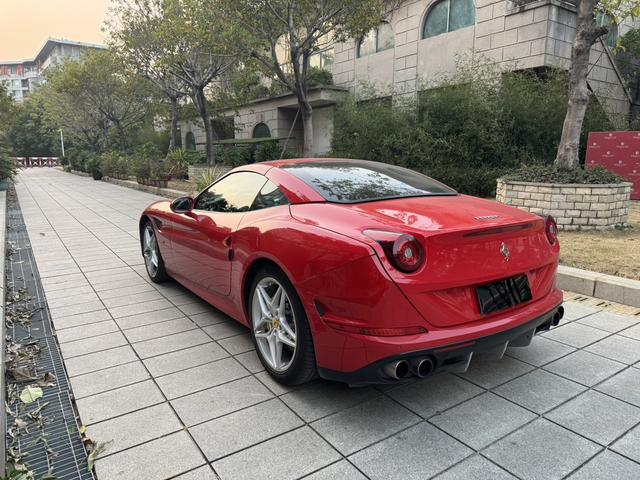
(586,35)
(200,102)
(306,112)
(174,123)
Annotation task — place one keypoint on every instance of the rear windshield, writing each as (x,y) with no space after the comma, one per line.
(352,182)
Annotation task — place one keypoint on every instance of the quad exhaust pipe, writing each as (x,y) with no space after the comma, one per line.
(399,369)
(557,316)
(421,367)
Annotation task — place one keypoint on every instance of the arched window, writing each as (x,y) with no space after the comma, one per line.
(447,16)
(604,20)
(261,130)
(190,141)
(377,40)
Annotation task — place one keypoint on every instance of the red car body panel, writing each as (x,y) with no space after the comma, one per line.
(343,276)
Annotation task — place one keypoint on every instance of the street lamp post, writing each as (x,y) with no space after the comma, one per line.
(61,141)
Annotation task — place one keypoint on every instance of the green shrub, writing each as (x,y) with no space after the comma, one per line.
(477,126)
(551,174)
(207,178)
(94,167)
(114,164)
(7,167)
(235,155)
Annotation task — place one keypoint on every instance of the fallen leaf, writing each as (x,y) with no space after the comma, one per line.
(31,394)
(95,452)
(22,374)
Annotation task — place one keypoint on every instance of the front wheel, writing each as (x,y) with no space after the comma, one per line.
(280,329)
(151,253)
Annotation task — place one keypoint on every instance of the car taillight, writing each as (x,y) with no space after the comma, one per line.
(404,251)
(551,229)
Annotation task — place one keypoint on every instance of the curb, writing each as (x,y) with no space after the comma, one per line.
(594,284)
(163,192)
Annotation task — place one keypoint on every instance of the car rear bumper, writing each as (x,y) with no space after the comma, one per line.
(455,356)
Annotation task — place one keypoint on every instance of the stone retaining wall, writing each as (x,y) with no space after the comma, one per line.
(574,206)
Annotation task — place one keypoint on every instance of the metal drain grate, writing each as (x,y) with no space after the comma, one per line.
(56,446)
(603,304)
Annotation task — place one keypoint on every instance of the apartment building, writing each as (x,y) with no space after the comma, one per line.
(23,77)
(420,44)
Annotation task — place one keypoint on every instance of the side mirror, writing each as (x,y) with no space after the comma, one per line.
(182,205)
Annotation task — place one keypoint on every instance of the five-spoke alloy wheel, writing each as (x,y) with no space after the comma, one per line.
(151,253)
(280,329)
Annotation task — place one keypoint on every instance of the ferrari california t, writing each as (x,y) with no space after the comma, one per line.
(358,271)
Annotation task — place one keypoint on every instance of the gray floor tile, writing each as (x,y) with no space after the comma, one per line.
(221,400)
(540,352)
(609,322)
(250,361)
(419,452)
(199,306)
(118,402)
(230,328)
(489,372)
(475,467)
(161,329)
(617,347)
(202,473)
(629,444)
(625,386)
(352,429)
(475,422)
(294,454)
(632,332)
(143,307)
(135,428)
(576,334)
(205,376)
(584,367)
(433,395)
(92,344)
(78,308)
(324,398)
(272,385)
(341,470)
(574,310)
(100,360)
(237,344)
(596,416)
(71,300)
(156,460)
(81,319)
(108,379)
(149,318)
(539,391)
(183,359)
(209,318)
(178,341)
(608,465)
(118,291)
(231,433)
(131,299)
(78,333)
(539,451)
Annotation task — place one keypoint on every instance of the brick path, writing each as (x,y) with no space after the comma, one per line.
(177,388)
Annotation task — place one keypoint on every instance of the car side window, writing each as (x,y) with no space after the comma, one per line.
(234,193)
(269,196)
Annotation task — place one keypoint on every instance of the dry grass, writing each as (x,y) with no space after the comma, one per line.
(182,185)
(614,252)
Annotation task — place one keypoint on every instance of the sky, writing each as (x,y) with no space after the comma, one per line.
(26,24)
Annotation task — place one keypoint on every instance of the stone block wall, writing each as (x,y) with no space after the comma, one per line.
(574,206)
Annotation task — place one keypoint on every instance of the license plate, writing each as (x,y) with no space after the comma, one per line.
(503,294)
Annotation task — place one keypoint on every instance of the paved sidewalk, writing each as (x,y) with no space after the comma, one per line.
(178,389)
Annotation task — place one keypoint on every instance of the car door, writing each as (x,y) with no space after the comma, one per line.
(202,240)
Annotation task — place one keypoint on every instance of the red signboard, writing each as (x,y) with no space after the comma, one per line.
(618,152)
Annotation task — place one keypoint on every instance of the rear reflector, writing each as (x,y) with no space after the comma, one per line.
(377,332)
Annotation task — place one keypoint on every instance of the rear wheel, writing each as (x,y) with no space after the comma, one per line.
(280,328)
(151,253)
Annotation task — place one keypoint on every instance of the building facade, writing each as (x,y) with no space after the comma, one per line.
(21,78)
(421,43)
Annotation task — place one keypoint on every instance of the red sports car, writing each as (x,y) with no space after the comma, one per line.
(358,271)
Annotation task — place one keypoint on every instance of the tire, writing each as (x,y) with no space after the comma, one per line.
(151,253)
(273,329)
